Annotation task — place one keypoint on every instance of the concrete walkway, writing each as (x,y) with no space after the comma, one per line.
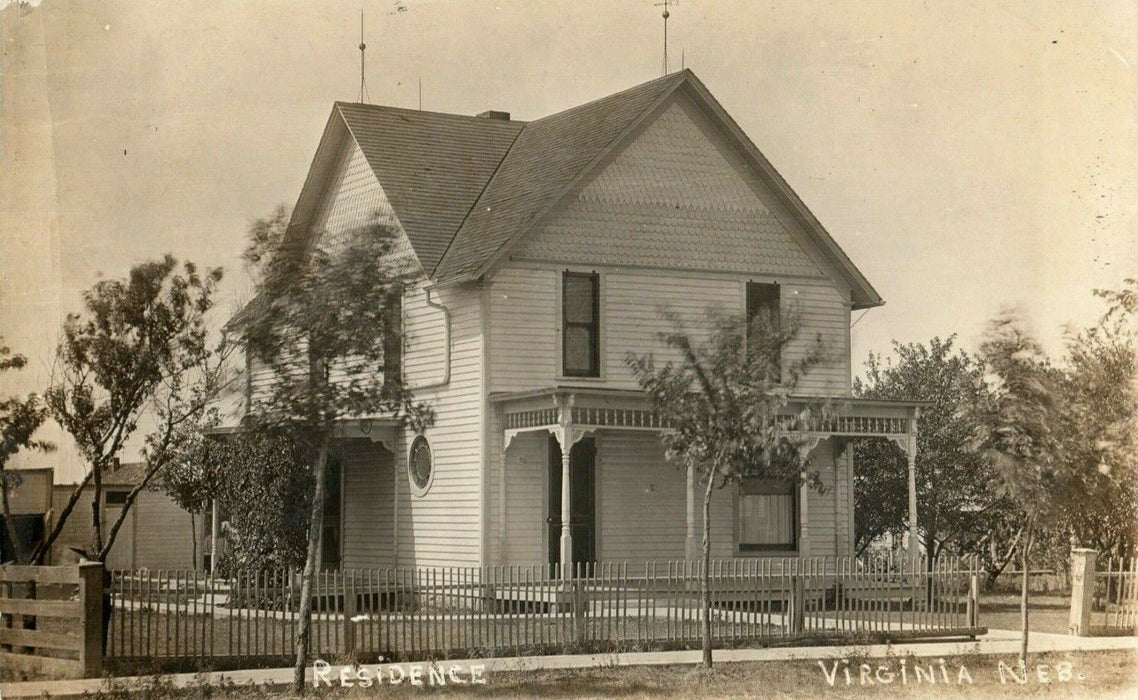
(996,642)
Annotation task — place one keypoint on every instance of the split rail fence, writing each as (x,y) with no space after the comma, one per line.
(50,619)
(185,619)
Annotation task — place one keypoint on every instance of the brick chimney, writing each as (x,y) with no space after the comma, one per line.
(494,114)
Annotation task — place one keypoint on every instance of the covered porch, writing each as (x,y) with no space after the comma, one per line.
(595,453)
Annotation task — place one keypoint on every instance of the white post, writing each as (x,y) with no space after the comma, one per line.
(914,548)
(1082,591)
(566,513)
(502,541)
(215,532)
(565,437)
(803,495)
(691,543)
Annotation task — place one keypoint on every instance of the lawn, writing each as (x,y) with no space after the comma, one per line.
(1108,674)
(1048,612)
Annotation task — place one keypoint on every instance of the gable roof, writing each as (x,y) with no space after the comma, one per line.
(465,189)
(553,154)
(548,156)
(432,166)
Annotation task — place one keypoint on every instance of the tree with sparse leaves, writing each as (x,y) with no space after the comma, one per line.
(20,418)
(1098,442)
(1099,426)
(726,402)
(140,346)
(1014,415)
(326,322)
(956,506)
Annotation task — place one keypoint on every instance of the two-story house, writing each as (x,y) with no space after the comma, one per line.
(546,251)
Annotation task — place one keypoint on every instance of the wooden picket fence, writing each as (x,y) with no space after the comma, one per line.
(186,619)
(1115,607)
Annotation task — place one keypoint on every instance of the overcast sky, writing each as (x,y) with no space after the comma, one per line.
(966,155)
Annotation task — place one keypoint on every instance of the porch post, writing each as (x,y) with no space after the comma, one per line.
(914,549)
(564,434)
(566,513)
(691,544)
(502,507)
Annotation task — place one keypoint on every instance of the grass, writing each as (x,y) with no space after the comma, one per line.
(1048,612)
(1108,674)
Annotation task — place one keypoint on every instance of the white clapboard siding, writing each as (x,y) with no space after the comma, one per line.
(164,533)
(821,507)
(678,196)
(263,376)
(523,319)
(368,523)
(527,462)
(526,336)
(352,198)
(442,527)
(641,501)
(676,221)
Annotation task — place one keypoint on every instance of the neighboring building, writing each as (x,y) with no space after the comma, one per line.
(29,502)
(157,533)
(546,250)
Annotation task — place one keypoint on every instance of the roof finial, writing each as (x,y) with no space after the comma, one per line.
(666,15)
(363,49)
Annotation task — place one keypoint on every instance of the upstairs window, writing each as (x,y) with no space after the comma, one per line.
(764,304)
(580,324)
(115,499)
(767,515)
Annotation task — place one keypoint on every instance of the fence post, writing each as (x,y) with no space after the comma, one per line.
(974,600)
(1082,591)
(350,609)
(797,604)
(91,618)
(578,612)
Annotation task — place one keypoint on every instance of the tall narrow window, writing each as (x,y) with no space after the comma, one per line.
(764,306)
(580,324)
(767,513)
(392,341)
(331,534)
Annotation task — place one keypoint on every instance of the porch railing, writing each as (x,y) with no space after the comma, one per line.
(183,619)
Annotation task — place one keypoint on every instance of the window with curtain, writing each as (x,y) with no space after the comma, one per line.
(580,324)
(767,515)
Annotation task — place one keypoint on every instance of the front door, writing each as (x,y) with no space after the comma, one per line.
(583,516)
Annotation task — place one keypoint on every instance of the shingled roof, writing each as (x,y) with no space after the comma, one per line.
(432,166)
(466,188)
(548,156)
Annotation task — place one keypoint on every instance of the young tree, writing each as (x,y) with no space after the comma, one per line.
(955,502)
(726,402)
(326,322)
(19,421)
(141,346)
(1014,414)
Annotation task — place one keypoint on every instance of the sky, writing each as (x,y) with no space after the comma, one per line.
(967,154)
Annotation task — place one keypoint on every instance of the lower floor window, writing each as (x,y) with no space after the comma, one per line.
(330,535)
(767,515)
